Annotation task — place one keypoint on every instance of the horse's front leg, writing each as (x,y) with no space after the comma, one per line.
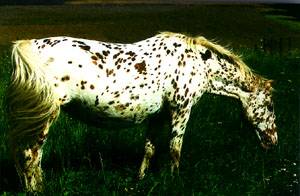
(180,117)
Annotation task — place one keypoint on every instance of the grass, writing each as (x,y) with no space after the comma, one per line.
(286,20)
(131,23)
(221,154)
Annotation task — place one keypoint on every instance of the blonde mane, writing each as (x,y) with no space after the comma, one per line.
(222,52)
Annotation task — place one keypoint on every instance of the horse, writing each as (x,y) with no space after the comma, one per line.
(125,81)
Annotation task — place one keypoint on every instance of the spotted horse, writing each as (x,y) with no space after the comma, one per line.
(126,81)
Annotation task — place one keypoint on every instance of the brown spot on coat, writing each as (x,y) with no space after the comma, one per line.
(82,84)
(97,101)
(141,67)
(85,47)
(65,78)
(106,53)
(99,55)
(111,102)
(94,58)
(186,92)
(205,56)
(109,72)
(130,53)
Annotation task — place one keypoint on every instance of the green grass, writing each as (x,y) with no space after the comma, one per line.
(285,20)
(221,153)
(132,23)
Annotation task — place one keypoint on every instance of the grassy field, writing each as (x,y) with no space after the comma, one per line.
(221,154)
(234,25)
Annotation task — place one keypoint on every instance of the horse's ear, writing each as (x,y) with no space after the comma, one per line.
(268,84)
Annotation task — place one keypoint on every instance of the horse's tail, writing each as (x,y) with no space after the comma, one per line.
(30,97)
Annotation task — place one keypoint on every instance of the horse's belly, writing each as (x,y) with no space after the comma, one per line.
(135,112)
(128,107)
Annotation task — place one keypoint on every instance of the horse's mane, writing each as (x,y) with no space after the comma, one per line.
(221,52)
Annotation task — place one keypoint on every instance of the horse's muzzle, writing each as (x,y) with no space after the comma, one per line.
(269,140)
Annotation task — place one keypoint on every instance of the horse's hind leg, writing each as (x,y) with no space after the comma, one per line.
(155,127)
(28,160)
(32,171)
(149,152)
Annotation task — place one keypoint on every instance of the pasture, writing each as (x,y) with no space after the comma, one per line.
(221,154)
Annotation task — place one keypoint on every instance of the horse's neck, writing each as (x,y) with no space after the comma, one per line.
(228,80)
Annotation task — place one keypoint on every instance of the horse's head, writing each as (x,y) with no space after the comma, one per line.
(260,111)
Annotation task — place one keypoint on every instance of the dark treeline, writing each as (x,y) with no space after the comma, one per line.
(31,2)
